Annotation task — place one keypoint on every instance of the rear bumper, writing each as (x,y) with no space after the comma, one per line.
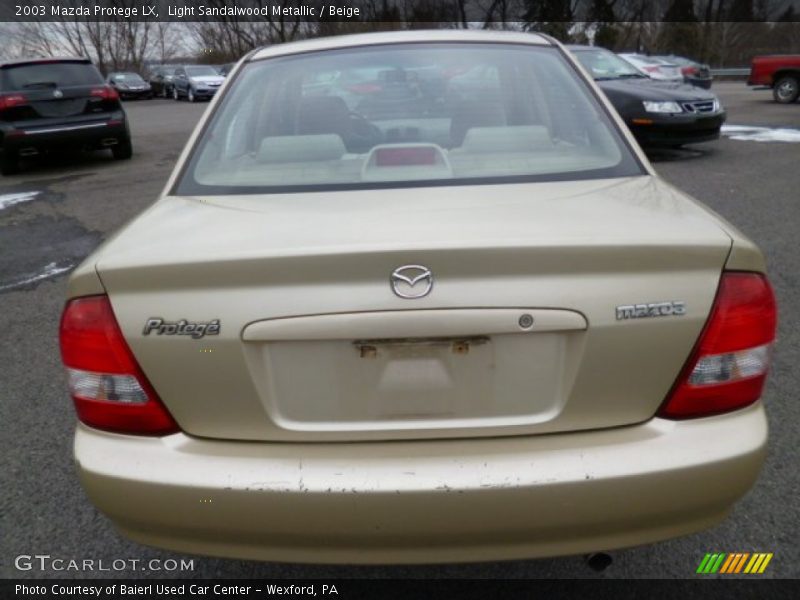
(126,94)
(427,501)
(678,130)
(67,134)
(205,92)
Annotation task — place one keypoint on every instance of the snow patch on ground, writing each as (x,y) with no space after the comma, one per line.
(761,134)
(7,200)
(50,270)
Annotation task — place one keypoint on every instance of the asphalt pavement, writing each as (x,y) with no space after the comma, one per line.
(57,210)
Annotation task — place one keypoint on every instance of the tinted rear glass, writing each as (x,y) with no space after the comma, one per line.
(126,77)
(201,71)
(406,114)
(50,74)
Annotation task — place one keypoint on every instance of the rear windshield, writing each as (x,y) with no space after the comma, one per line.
(201,71)
(126,77)
(603,64)
(410,114)
(57,74)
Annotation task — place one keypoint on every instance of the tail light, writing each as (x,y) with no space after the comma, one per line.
(689,70)
(729,363)
(107,385)
(12,100)
(106,93)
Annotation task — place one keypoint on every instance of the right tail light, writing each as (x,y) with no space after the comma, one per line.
(106,93)
(728,366)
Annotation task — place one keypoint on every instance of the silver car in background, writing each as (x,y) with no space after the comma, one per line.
(654,67)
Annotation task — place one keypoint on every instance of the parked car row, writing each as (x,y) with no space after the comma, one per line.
(193,82)
(52,103)
(46,104)
(657,105)
(55,103)
(672,68)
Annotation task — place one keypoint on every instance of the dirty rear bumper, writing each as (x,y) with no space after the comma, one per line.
(426,501)
(69,134)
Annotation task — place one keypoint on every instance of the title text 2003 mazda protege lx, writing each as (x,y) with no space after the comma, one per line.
(417,297)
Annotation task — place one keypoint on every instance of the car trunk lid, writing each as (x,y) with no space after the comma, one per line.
(518,335)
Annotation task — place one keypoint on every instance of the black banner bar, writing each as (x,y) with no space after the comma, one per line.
(386,589)
(456,13)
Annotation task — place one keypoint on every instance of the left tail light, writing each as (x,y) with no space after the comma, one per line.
(108,387)
(12,100)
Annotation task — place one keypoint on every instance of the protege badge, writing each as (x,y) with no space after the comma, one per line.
(182,327)
(654,309)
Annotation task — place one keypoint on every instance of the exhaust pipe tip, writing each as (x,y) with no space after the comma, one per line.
(109,142)
(599,561)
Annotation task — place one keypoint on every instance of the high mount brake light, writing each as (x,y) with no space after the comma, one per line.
(728,366)
(108,387)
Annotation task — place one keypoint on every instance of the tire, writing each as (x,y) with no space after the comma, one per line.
(190,95)
(9,163)
(175,95)
(123,150)
(786,90)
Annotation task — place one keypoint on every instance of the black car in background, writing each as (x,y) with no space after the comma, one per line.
(129,85)
(665,114)
(57,102)
(161,80)
(694,73)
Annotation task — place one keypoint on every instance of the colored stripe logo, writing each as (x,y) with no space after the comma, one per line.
(734,562)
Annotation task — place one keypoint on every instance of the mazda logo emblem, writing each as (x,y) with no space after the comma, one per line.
(411,281)
(57,93)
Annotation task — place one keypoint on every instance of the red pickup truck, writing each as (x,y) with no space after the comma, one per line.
(781,72)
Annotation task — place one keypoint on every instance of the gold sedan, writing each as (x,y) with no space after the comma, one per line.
(417,297)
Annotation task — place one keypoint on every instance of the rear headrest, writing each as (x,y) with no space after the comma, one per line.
(518,138)
(301,148)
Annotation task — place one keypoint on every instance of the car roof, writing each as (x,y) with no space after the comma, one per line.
(38,60)
(401,37)
(584,47)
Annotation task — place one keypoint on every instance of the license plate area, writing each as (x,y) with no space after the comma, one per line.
(415,346)
(478,369)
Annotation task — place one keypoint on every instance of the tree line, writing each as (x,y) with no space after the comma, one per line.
(723,33)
